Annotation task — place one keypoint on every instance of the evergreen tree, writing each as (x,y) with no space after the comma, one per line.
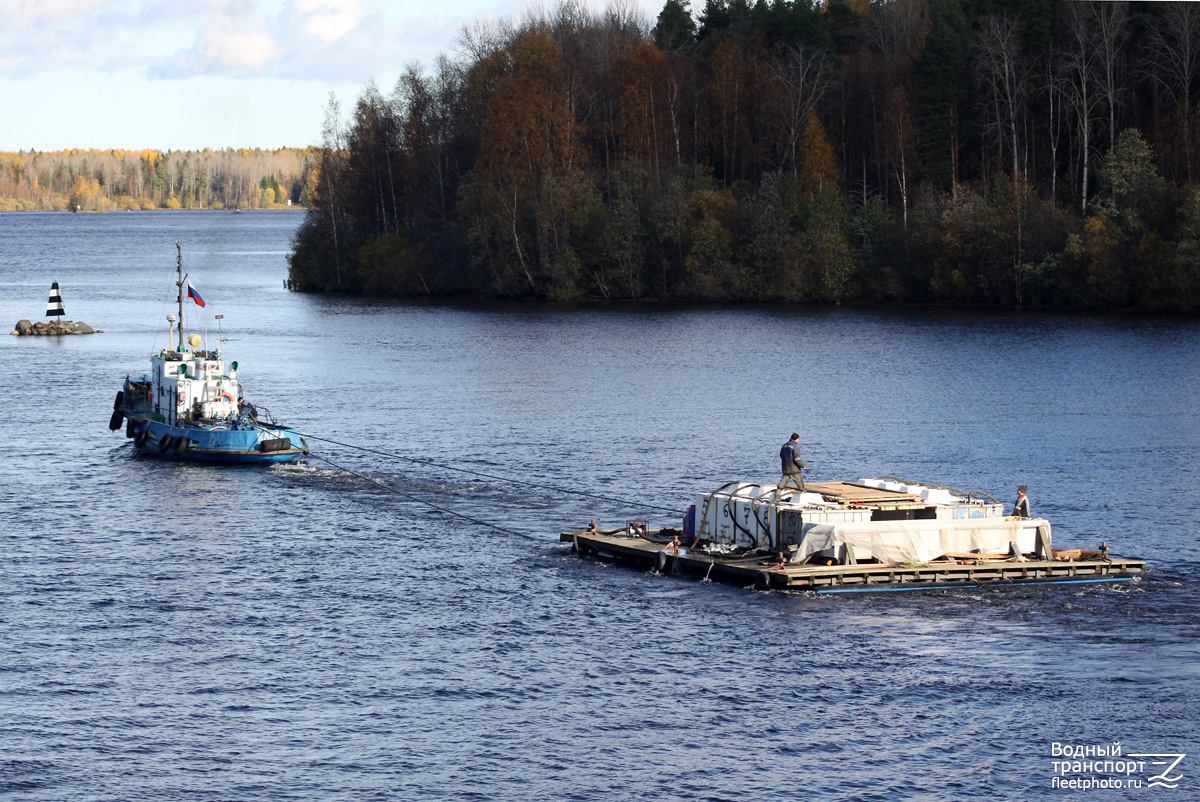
(942,73)
(714,17)
(844,23)
(675,27)
(1036,19)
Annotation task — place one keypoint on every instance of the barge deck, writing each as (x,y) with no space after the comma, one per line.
(881,534)
(765,573)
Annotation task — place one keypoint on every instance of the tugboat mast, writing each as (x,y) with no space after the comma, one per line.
(179,284)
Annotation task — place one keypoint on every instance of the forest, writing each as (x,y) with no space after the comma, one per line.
(997,152)
(119,180)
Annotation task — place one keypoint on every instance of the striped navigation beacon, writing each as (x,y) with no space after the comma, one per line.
(55,306)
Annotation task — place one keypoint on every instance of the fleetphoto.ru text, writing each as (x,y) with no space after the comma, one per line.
(1079,767)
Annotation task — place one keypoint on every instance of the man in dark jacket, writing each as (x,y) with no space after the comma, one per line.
(1021,507)
(792,464)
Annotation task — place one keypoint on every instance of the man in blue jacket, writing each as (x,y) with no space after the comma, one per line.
(792,464)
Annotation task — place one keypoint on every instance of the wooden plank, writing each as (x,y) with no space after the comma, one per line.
(1043,549)
(857,494)
(972,555)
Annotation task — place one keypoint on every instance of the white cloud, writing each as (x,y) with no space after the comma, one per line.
(329,21)
(37,36)
(235,51)
(232,37)
(330,40)
(199,73)
(323,40)
(25,15)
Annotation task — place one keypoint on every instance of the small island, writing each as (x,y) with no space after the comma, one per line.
(58,328)
(993,154)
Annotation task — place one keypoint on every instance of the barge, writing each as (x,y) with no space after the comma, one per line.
(880,534)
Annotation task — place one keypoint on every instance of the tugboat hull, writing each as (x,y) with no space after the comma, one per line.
(245,444)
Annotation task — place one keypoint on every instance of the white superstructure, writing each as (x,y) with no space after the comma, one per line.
(192,385)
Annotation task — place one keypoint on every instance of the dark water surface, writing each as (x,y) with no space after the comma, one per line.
(174,632)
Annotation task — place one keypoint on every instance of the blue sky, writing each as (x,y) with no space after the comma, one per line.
(190,74)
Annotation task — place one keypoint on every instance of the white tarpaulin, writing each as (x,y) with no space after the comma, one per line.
(920,541)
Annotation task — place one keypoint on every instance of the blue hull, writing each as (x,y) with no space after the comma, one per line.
(227,443)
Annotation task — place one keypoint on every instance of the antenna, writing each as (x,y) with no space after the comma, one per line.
(220,336)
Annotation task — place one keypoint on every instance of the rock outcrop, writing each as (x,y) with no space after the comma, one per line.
(53,329)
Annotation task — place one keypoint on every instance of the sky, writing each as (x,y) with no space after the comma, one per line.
(193,74)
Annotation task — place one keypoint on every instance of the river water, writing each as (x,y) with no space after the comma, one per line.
(182,632)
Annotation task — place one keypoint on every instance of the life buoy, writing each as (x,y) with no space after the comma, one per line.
(226,396)
(165,443)
(140,440)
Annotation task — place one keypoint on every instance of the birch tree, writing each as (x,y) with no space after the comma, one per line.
(1172,59)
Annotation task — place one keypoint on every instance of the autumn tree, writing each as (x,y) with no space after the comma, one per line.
(526,152)
(819,168)
(802,76)
(643,123)
(726,96)
(711,270)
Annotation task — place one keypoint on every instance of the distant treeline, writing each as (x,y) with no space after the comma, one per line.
(962,151)
(103,180)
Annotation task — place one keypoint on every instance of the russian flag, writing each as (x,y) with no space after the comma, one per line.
(194,295)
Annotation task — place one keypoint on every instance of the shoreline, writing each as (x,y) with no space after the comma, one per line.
(115,211)
(466,299)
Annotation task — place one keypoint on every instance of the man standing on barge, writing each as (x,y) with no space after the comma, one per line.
(1021,507)
(792,464)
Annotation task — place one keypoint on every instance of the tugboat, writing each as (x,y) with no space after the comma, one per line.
(189,407)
